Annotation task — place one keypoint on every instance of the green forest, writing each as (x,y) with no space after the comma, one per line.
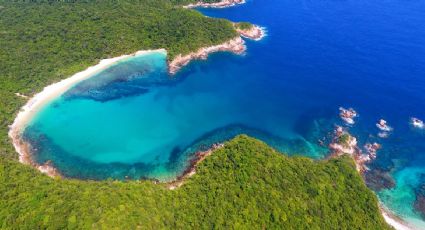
(244,185)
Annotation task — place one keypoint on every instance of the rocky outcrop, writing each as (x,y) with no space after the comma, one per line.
(254,33)
(235,45)
(191,170)
(344,143)
(221,4)
(49,169)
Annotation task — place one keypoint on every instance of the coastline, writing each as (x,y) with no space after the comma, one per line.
(255,33)
(221,4)
(392,219)
(235,45)
(50,92)
(191,169)
(349,146)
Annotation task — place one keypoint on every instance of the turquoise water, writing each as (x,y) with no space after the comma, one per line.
(135,121)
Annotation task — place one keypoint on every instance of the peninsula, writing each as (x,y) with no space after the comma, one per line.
(265,188)
(215,4)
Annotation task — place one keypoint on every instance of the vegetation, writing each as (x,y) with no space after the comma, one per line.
(344,140)
(244,185)
(186,2)
(244,25)
(43,42)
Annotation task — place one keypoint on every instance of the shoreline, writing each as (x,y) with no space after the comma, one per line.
(392,219)
(221,4)
(235,45)
(193,163)
(50,92)
(349,147)
(255,33)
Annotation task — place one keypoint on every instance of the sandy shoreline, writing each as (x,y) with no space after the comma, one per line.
(36,102)
(49,93)
(393,220)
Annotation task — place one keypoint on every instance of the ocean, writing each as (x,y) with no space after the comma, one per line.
(134,121)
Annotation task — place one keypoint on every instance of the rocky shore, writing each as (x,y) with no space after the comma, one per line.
(25,156)
(49,169)
(191,170)
(235,45)
(221,4)
(255,32)
(344,143)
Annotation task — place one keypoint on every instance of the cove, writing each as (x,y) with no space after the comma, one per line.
(135,121)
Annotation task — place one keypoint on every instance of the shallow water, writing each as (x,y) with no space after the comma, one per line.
(133,120)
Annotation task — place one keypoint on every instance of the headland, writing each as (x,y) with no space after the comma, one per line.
(221,4)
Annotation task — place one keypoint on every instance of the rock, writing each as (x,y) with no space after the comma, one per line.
(221,4)
(377,180)
(420,205)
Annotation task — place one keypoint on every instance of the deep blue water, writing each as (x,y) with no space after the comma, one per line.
(135,121)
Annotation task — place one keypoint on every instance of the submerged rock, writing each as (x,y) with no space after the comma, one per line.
(419,204)
(377,179)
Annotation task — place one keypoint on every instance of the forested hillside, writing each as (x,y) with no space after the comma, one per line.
(244,185)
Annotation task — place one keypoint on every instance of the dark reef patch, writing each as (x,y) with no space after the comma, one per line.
(378,179)
(419,204)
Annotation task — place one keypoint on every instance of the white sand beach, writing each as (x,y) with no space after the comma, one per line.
(393,220)
(50,92)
